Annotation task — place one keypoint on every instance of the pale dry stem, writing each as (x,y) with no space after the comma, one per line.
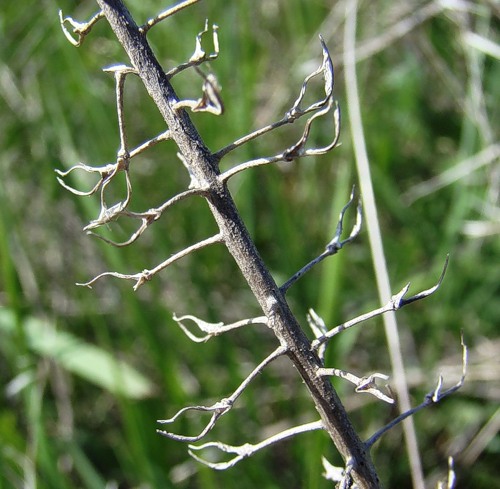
(433,397)
(363,384)
(146,275)
(165,14)
(246,450)
(334,246)
(223,406)
(200,55)
(213,329)
(80,29)
(396,302)
(326,69)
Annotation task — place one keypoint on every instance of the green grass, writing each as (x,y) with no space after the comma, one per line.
(428,102)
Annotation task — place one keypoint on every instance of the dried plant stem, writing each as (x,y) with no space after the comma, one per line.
(375,238)
(203,166)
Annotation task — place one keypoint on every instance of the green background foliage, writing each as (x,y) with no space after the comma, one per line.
(85,373)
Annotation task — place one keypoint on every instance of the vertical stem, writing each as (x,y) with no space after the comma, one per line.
(376,245)
(204,167)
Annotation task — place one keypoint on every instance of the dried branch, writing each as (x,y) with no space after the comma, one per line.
(108,172)
(432,397)
(164,136)
(147,217)
(120,72)
(108,214)
(397,302)
(299,148)
(200,55)
(334,246)
(363,384)
(165,14)
(146,275)
(80,29)
(210,101)
(223,406)
(105,172)
(206,181)
(295,151)
(247,450)
(213,329)
(326,69)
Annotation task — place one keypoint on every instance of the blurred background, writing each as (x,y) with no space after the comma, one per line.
(86,373)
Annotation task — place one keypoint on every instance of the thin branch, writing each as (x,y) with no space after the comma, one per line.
(247,450)
(123,157)
(108,214)
(432,397)
(326,69)
(395,303)
(80,29)
(210,101)
(218,410)
(148,217)
(105,172)
(334,246)
(363,384)
(199,56)
(164,136)
(146,275)
(120,72)
(295,151)
(214,329)
(165,14)
(299,148)
(108,172)
(223,406)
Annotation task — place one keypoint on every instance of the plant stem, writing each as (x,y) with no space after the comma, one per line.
(204,167)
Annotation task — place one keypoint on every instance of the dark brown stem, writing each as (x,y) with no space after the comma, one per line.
(203,165)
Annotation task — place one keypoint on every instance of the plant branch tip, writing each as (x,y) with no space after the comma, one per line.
(433,397)
(120,69)
(166,14)
(334,246)
(210,101)
(293,114)
(399,299)
(396,302)
(218,410)
(80,29)
(365,384)
(246,450)
(213,329)
(199,55)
